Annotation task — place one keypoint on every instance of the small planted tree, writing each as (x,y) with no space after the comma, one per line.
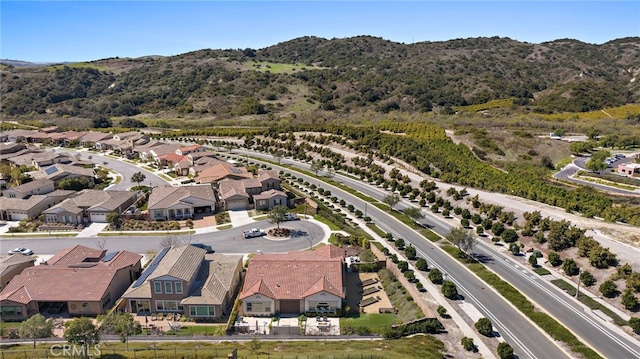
(484,327)
(277,215)
(138,177)
(449,290)
(467,344)
(533,260)
(414,213)
(435,276)
(629,300)
(410,252)
(421,264)
(554,259)
(608,288)
(634,323)
(504,350)
(570,267)
(587,278)
(442,311)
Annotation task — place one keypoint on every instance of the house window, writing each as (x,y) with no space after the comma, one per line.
(157,287)
(157,213)
(106,300)
(178,287)
(168,306)
(249,307)
(168,288)
(202,311)
(187,211)
(52,218)
(12,195)
(11,311)
(262,202)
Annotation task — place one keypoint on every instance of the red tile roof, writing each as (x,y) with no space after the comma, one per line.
(295,275)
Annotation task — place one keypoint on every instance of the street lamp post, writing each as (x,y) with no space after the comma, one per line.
(444,277)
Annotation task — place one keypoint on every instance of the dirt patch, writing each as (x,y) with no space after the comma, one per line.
(360,287)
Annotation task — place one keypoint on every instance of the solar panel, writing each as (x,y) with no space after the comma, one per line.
(50,170)
(109,256)
(152,267)
(235,170)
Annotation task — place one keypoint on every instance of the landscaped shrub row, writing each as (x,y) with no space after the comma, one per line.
(428,326)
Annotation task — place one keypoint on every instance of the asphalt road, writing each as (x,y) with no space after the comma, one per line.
(226,241)
(606,338)
(126,170)
(524,337)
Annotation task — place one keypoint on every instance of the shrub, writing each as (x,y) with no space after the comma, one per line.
(442,311)
(449,290)
(608,288)
(629,300)
(509,235)
(467,344)
(570,267)
(634,323)
(421,264)
(505,351)
(435,276)
(554,259)
(410,252)
(484,327)
(587,278)
(403,266)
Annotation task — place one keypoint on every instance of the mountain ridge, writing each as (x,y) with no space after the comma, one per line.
(346,75)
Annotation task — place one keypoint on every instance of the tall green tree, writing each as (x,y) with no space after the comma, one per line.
(126,326)
(414,213)
(462,239)
(82,332)
(36,327)
(391,200)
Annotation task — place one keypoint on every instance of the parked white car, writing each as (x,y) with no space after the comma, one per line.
(253,232)
(21,250)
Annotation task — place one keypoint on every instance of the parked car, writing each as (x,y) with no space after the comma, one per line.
(253,232)
(291,217)
(20,250)
(203,246)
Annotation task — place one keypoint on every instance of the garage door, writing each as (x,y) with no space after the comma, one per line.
(290,306)
(99,217)
(236,205)
(18,216)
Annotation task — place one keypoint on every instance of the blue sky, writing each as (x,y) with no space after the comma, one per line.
(48,31)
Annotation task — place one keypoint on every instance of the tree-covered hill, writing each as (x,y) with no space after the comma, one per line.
(350,75)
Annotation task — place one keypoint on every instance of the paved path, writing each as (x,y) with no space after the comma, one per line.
(93,230)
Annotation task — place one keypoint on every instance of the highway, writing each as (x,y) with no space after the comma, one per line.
(606,338)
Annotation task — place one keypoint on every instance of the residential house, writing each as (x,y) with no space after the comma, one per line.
(48,158)
(269,180)
(79,281)
(175,161)
(41,186)
(72,138)
(185,150)
(186,280)
(270,199)
(11,147)
(223,171)
(90,206)
(90,139)
(50,129)
(157,152)
(11,266)
(16,209)
(199,164)
(194,156)
(16,135)
(295,282)
(59,171)
(238,194)
(169,202)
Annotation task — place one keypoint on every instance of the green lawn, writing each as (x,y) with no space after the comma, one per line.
(369,320)
(541,271)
